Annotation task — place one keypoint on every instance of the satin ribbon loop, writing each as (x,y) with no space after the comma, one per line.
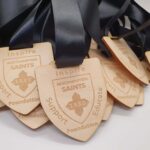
(70,35)
(23,37)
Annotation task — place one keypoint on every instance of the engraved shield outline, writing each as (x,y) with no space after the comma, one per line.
(4,60)
(93,93)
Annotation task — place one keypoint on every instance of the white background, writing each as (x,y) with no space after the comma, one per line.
(126,130)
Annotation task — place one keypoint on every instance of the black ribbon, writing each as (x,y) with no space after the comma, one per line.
(10,9)
(11,18)
(23,37)
(70,35)
(70,24)
(90,15)
(59,23)
(138,39)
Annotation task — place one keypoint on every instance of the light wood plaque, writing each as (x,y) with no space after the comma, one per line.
(121,50)
(119,82)
(18,88)
(73,98)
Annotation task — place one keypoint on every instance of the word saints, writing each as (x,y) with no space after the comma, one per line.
(73,87)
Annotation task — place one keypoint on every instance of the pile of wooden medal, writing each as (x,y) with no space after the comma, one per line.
(125,79)
(60,86)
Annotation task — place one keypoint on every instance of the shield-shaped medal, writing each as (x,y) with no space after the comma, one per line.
(73,98)
(18,88)
(120,83)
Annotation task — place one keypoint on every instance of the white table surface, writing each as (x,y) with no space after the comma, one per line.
(125,130)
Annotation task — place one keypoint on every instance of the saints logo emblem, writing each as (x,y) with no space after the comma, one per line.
(23,80)
(77,104)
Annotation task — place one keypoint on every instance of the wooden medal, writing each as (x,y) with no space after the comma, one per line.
(121,50)
(119,82)
(73,98)
(18,88)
